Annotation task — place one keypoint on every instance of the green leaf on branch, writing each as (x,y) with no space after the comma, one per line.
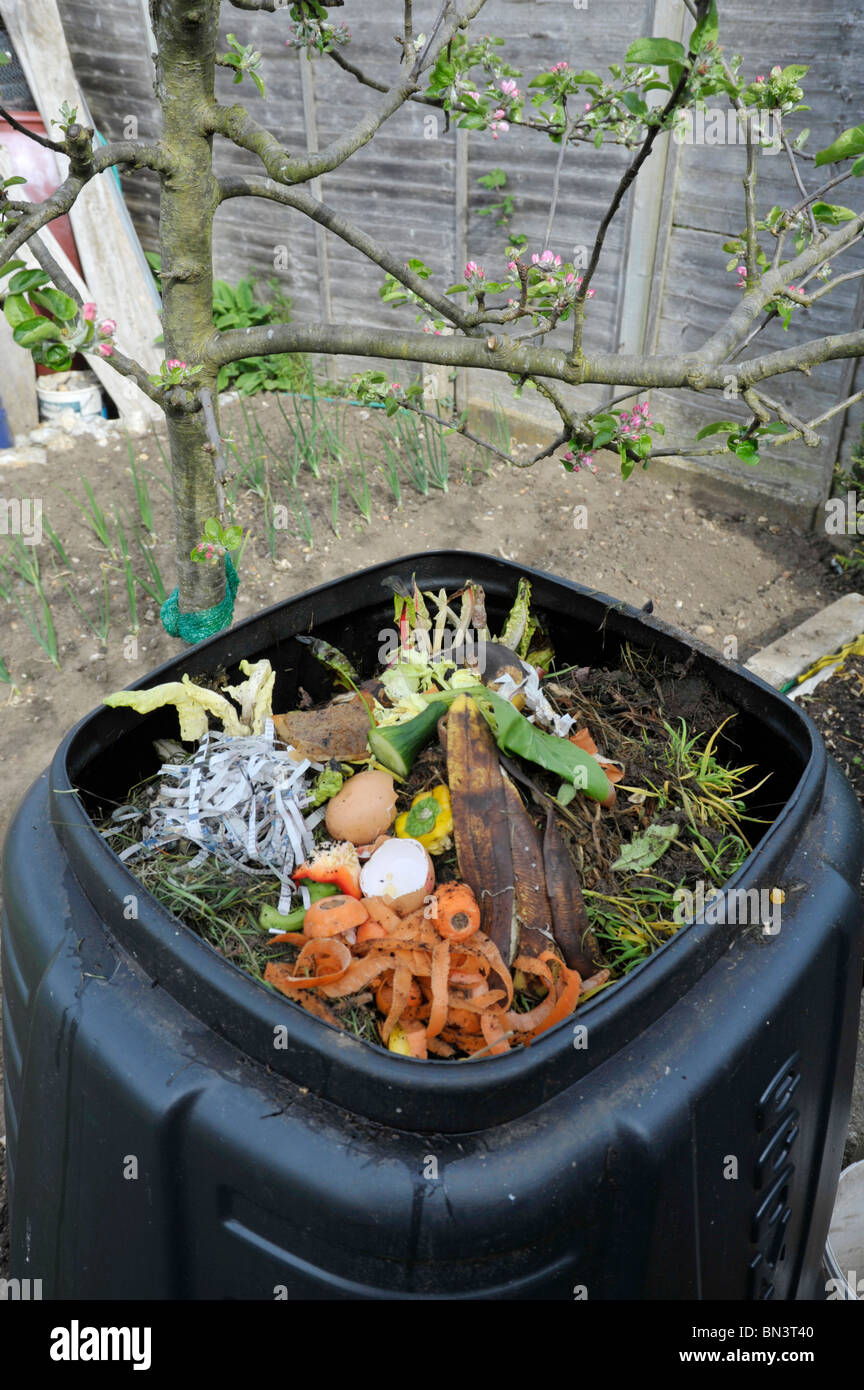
(772,427)
(496,178)
(719,427)
(60,305)
(17,310)
(832,213)
(635,105)
(745,450)
(27,280)
(627,464)
(602,437)
(58,357)
(659,52)
(851,142)
(34,330)
(706,30)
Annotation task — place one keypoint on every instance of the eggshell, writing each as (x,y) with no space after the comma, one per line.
(395,863)
(363,809)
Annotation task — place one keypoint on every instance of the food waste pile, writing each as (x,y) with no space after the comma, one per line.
(450,857)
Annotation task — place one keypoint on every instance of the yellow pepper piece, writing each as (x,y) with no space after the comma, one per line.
(399,1041)
(437,837)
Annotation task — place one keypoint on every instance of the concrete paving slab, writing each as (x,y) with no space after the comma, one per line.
(826,632)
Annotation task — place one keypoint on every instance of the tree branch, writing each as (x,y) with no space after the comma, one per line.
(786,416)
(302,201)
(787,145)
(752,239)
(498,354)
(33,216)
(556,183)
(272,5)
(236,124)
(31,134)
(347,66)
(722,343)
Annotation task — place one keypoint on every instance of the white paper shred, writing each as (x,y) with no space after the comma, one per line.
(560,724)
(243,800)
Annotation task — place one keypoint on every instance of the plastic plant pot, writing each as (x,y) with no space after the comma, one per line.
(681,1137)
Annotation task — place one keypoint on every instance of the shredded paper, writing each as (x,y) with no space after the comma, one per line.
(241,799)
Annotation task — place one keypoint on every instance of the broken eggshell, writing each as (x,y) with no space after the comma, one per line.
(400,871)
(363,809)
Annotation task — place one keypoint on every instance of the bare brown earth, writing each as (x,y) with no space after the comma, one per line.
(719,576)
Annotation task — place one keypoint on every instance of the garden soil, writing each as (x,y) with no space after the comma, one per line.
(722,577)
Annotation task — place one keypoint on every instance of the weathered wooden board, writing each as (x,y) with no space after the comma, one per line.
(17,383)
(111,258)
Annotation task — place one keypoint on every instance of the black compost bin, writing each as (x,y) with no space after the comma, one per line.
(160,1146)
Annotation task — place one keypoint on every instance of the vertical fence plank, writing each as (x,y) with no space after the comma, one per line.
(310,113)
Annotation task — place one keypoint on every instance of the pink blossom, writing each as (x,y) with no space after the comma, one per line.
(560,67)
(105,349)
(509,88)
(173,363)
(742,269)
(88,312)
(474,271)
(569,278)
(588,105)
(475,95)
(590,294)
(107,327)
(511,265)
(760,79)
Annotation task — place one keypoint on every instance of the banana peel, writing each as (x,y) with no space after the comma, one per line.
(533,907)
(570,925)
(529,892)
(481,822)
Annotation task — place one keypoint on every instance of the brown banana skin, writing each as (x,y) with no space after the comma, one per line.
(570,925)
(532,900)
(481,822)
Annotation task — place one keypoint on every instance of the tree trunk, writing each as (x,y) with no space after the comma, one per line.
(186,37)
